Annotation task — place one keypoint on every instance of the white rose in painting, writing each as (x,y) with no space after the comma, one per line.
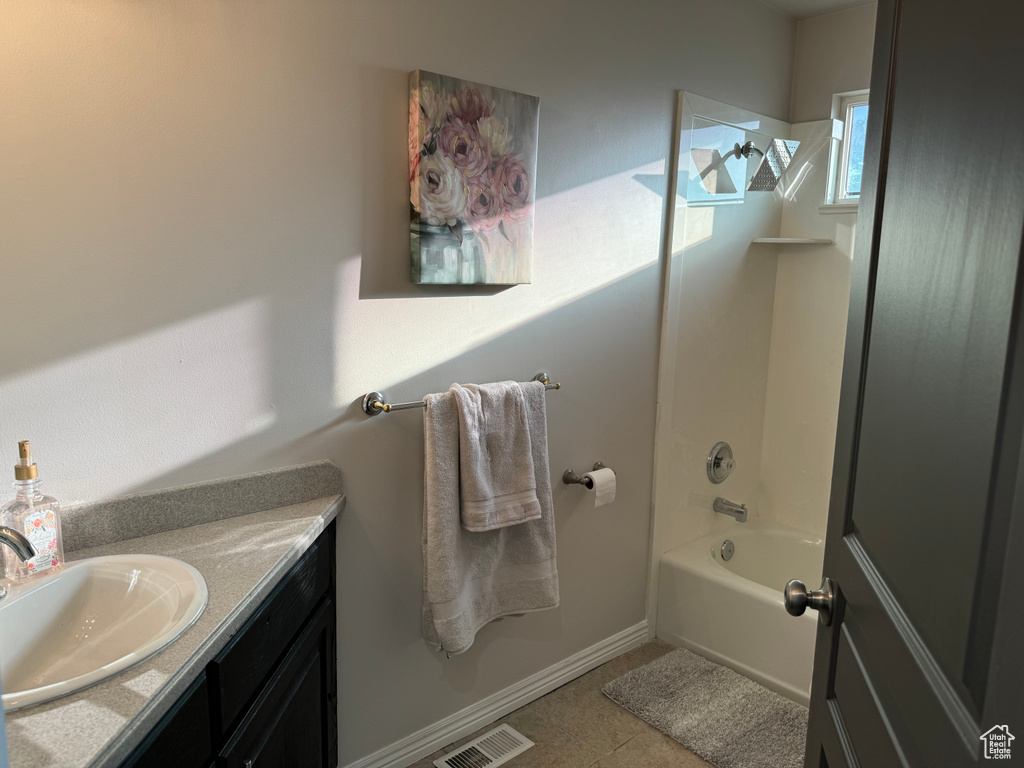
(496,135)
(439,191)
(434,107)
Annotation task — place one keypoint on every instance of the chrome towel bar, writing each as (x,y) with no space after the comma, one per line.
(373,402)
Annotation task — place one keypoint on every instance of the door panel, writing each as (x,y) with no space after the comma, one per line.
(906,679)
(866,729)
(948,252)
(928,487)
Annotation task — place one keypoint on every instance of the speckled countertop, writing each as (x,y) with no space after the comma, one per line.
(242,558)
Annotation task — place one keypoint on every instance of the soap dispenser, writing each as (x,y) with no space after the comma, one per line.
(36,515)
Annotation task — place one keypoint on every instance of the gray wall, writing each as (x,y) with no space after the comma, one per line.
(832,55)
(204,216)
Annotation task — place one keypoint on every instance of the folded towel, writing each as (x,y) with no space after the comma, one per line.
(496,474)
(469,578)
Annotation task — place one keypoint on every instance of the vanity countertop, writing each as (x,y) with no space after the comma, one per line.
(242,558)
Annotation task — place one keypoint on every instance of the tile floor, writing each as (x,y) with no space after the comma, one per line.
(577,725)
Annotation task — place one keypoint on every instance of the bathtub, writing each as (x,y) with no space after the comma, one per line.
(732,612)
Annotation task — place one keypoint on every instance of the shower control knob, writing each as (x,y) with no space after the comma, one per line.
(798,599)
(720,463)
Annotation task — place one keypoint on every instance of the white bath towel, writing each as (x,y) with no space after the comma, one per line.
(472,578)
(496,474)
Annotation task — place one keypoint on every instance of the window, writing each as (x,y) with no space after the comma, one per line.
(848,164)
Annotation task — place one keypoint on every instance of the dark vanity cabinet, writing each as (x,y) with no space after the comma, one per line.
(269,698)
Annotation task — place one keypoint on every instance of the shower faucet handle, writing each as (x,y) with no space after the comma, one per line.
(720,462)
(798,599)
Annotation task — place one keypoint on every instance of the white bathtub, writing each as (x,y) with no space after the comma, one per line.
(732,612)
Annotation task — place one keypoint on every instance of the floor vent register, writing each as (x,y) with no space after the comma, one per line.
(494,748)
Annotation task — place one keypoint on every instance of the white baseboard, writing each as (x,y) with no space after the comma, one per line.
(418,745)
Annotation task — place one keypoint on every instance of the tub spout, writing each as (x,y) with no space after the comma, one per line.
(726,507)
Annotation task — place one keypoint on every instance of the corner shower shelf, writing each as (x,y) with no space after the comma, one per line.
(794,240)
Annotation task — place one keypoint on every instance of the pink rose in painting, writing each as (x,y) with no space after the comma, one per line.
(461,143)
(513,186)
(485,209)
(469,105)
(439,191)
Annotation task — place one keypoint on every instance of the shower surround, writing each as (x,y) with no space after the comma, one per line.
(740,357)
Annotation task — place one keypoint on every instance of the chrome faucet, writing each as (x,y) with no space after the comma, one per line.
(22,548)
(726,507)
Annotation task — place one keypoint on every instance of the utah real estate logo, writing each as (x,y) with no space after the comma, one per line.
(997,742)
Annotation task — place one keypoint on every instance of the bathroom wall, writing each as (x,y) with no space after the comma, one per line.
(832,55)
(812,289)
(204,257)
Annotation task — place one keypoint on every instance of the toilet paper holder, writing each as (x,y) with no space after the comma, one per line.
(569,477)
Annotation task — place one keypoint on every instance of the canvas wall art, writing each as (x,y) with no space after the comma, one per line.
(472,166)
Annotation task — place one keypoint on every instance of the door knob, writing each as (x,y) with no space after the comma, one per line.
(798,599)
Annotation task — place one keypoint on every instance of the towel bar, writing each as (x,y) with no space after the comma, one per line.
(373,402)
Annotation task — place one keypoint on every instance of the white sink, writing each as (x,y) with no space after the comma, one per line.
(96,618)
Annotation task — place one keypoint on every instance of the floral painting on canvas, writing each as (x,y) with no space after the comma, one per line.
(472,165)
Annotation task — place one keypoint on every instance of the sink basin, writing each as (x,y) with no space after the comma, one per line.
(94,619)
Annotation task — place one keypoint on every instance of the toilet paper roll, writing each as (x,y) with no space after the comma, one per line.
(603,483)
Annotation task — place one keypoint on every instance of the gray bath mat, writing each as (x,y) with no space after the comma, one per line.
(729,720)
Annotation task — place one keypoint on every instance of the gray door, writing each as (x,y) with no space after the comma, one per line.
(923,653)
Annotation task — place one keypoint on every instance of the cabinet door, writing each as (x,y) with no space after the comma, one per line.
(291,723)
(239,671)
(182,739)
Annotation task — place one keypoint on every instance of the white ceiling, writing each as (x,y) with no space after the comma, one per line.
(801,9)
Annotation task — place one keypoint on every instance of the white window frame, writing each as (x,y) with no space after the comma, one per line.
(842,109)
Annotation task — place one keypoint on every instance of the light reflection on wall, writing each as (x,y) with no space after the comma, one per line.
(163,398)
(586,238)
(712,143)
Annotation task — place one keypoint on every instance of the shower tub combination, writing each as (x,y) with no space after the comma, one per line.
(731,611)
